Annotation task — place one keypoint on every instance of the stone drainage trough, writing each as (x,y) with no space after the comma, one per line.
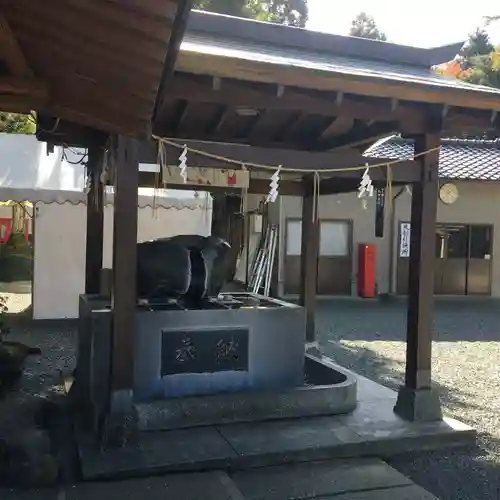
(239,358)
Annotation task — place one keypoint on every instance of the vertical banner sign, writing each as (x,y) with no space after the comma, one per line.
(404,240)
(379,212)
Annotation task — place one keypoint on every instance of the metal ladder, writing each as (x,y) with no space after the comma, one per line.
(262,270)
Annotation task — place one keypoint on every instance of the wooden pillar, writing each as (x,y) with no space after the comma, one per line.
(417,400)
(95,223)
(309,258)
(124,263)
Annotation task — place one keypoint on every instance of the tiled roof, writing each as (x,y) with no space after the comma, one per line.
(322,62)
(459,159)
(331,55)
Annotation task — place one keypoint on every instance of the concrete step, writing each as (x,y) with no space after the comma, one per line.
(365,479)
(243,446)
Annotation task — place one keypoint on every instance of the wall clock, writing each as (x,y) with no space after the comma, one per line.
(448,193)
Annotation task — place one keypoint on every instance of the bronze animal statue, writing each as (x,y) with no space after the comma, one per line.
(190,268)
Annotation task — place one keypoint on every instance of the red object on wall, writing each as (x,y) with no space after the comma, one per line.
(367,270)
(5,229)
(231,178)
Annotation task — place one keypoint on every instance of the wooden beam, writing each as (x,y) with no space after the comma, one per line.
(20,103)
(19,86)
(416,400)
(340,125)
(93,118)
(174,45)
(183,112)
(257,186)
(232,94)
(281,73)
(404,171)
(359,136)
(11,52)
(285,129)
(337,186)
(61,132)
(217,122)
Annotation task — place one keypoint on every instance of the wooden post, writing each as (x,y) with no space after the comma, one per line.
(95,223)
(309,258)
(124,263)
(417,400)
(121,422)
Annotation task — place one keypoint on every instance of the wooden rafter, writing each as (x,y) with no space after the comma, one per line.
(11,52)
(340,125)
(218,121)
(232,94)
(358,136)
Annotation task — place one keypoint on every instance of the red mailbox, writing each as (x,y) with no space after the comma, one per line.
(5,230)
(367,270)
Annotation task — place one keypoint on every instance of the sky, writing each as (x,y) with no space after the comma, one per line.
(423,23)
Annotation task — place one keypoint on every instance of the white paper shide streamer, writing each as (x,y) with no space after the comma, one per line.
(274,186)
(183,164)
(365,189)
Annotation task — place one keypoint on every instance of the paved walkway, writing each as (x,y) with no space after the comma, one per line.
(369,338)
(371,430)
(366,479)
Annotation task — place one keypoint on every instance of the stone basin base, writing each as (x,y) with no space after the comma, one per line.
(327,390)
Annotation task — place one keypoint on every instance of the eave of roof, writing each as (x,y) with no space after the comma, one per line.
(102,61)
(459,159)
(213,47)
(288,37)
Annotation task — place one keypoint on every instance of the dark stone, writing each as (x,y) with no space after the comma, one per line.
(26,460)
(12,358)
(188,266)
(121,424)
(418,405)
(204,351)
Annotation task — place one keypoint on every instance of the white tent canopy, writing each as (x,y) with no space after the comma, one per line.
(29,173)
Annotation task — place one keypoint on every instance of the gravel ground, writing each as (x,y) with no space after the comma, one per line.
(42,374)
(369,338)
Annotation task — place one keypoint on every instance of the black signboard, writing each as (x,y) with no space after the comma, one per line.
(204,350)
(379,212)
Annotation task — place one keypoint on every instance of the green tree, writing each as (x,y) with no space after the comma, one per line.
(478,44)
(483,69)
(364,26)
(478,62)
(13,123)
(290,12)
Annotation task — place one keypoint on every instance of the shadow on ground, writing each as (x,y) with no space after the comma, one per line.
(453,474)
(455,319)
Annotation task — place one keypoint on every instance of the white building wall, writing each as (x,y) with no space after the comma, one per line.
(478,203)
(59,253)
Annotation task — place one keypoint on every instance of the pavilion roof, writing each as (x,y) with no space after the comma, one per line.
(96,63)
(239,80)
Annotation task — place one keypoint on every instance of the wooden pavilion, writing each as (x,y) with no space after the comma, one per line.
(103,75)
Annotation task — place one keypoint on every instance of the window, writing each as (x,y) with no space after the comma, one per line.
(294,237)
(334,239)
(480,242)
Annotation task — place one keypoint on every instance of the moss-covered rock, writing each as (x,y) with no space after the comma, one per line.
(26,460)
